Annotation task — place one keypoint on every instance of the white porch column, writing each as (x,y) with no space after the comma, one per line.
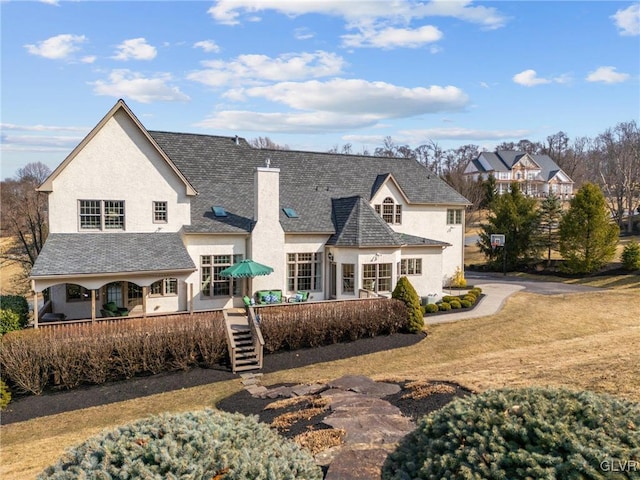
(35,309)
(93,305)
(144,301)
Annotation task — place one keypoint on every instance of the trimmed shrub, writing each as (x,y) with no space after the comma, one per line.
(431,308)
(5,395)
(307,325)
(67,356)
(17,304)
(470,298)
(631,256)
(520,433)
(444,306)
(9,321)
(449,298)
(466,303)
(194,445)
(476,290)
(455,304)
(405,292)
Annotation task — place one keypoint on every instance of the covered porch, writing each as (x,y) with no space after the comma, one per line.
(112,274)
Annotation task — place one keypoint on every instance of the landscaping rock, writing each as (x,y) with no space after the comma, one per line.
(364,385)
(357,462)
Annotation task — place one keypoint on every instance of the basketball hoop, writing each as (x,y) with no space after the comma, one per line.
(497,240)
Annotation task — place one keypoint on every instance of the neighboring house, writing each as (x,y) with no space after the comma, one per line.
(537,175)
(148,219)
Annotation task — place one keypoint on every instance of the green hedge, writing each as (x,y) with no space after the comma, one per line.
(17,304)
(522,433)
(196,445)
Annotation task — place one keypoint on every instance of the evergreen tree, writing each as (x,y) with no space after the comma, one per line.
(490,191)
(404,291)
(588,237)
(513,215)
(549,215)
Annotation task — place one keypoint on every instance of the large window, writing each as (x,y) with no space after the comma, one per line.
(76,293)
(159,212)
(454,216)
(214,285)
(376,277)
(163,288)
(304,271)
(390,211)
(348,283)
(410,266)
(101,214)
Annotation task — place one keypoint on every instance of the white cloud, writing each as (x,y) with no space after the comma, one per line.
(59,47)
(229,11)
(40,128)
(127,84)
(360,97)
(459,133)
(311,122)
(207,45)
(89,59)
(40,138)
(628,20)
(135,49)
(390,37)
(256,68)
(303,33)
(55,3)
(607,75)
(529,78)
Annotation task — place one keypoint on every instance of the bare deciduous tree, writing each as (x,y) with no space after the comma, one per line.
(24,215)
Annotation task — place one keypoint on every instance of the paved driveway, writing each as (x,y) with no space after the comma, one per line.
(533,286)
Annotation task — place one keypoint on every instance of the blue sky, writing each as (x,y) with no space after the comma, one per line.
(317,74)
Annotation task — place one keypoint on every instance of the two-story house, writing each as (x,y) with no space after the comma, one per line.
(537,175)
(149,219)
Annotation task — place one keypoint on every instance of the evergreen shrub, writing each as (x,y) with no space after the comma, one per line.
(444,306)
(405,292)
(431,308)
(195,445)
(631,256)
(521,433)
(470,298)
(476,290)
(9,321)
(466,303)
(455,304)
(5,395)
(449,298)
(17,304)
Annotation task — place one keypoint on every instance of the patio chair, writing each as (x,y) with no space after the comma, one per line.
(300,296)
(112,310)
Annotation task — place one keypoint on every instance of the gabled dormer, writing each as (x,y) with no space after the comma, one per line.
(388,198)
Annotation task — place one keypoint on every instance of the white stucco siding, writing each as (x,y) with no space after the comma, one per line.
(430,221)
(199,245)
(430,280)
(119,163)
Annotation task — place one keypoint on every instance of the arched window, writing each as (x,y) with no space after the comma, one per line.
(391,212)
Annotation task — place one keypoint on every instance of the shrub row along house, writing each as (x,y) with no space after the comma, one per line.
(537,175)
(147,220)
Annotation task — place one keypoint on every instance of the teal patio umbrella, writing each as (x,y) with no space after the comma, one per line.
(246,269)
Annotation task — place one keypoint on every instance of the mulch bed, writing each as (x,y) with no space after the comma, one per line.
(415,408)
(26,407)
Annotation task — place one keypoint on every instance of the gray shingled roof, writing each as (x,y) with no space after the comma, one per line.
(503,161)
(414,241)
(358,225)
(223,171)
(91,253)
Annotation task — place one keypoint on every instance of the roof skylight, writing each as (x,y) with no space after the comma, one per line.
(290,212)
(219,211)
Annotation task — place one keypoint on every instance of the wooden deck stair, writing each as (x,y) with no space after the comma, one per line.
(244,340)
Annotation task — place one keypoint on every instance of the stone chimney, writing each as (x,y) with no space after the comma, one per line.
(267,236)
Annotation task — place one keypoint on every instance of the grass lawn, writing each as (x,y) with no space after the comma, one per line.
(579,341)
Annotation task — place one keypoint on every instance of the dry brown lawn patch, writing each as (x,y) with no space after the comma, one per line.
(585,341)
(286,420)
(316,441)
(426,388)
